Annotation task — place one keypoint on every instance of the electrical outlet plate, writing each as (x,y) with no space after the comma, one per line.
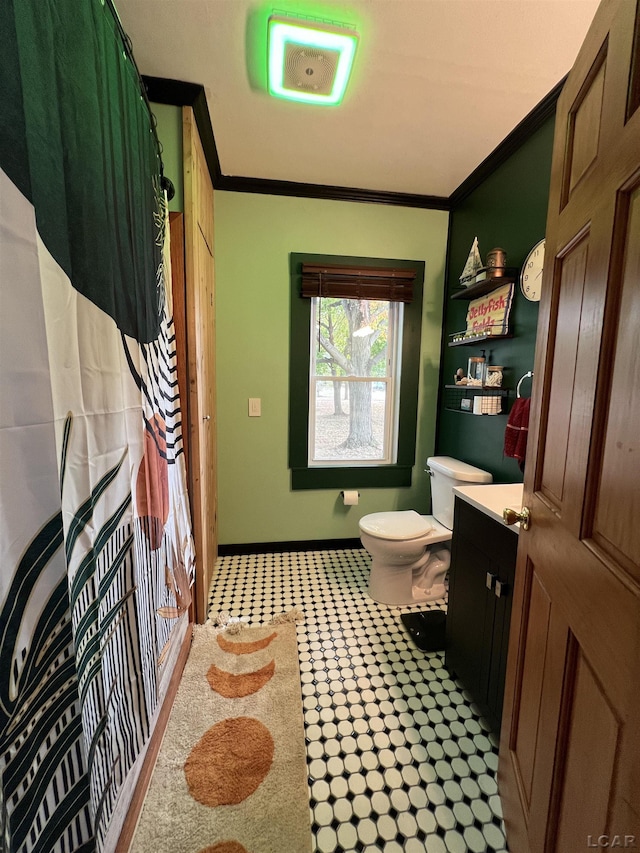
(255,407)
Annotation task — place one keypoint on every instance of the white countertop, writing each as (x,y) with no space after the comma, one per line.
(493,498)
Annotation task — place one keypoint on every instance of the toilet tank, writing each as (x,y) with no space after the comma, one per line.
(446,473)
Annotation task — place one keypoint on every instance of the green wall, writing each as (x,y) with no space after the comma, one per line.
(508,210)
(254,235)
(169,128)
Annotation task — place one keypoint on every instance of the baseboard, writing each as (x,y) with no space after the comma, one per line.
(276,547)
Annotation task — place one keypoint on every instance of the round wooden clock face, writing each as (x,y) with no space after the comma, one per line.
(531,275)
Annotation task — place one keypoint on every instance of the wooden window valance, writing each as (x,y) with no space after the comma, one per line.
(382,284)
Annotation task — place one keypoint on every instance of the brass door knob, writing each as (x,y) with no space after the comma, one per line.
(510,516)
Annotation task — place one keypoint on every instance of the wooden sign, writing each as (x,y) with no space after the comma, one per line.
(489,314)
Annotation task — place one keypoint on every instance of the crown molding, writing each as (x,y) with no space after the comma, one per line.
(177,93)
(303,190)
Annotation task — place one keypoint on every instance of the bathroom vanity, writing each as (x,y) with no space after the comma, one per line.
(481,578)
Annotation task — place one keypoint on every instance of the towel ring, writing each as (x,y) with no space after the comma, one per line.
(528,375)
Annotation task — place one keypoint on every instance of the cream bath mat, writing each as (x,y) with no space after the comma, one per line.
(231,775)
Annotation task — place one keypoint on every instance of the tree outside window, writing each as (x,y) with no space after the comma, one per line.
(354,366)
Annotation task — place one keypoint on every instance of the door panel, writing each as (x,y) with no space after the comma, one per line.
(584,118)
(617,507)
(584,806)
(569,312)
(570,751)
(530,692)
(633,100)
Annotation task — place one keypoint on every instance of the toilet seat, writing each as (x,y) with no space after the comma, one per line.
(403,525)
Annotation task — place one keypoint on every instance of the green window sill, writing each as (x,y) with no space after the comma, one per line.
(383,476)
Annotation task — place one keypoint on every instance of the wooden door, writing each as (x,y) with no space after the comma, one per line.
(569,769)
(200,329)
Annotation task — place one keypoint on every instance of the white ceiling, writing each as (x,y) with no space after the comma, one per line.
(436,85)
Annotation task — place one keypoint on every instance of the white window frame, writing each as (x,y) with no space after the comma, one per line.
(392,396)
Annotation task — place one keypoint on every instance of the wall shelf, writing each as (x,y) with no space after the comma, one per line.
(477,339)
(487,390)
(482,287)
(454,394)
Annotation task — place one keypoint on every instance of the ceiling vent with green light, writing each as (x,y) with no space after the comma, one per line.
(309,60)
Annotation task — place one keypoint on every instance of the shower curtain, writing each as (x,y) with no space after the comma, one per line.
(95,538)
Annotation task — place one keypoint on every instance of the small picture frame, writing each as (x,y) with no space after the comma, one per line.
(465,404)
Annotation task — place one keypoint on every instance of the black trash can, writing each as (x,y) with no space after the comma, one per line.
(426,629)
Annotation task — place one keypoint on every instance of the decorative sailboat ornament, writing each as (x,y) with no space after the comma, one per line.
(473,264)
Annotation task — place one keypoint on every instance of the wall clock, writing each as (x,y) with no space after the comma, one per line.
(531,275)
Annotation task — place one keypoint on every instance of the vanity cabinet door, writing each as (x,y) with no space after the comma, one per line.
(500,635)
(483,557)
(469,625)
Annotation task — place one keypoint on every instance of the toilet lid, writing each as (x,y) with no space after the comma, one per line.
(403,524)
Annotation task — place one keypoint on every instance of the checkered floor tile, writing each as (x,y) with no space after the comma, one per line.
(399,758)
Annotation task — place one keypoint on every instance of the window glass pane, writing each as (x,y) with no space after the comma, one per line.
(349,422)
(351,338)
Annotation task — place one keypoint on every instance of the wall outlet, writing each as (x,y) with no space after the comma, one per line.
(255,407)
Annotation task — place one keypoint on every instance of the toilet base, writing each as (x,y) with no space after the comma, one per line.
(437,591)
(396,584)
(383,595)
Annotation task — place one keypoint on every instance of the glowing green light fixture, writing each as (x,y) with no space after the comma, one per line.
(309,61)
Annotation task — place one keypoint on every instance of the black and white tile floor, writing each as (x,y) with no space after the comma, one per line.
(399,758)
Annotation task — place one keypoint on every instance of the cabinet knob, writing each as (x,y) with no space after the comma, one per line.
(510,516)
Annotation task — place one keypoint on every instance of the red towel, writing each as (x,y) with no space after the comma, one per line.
(515,436)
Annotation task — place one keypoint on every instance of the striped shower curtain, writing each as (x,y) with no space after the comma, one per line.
(95,539)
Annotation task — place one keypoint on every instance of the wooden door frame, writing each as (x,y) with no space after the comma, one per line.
(192,148)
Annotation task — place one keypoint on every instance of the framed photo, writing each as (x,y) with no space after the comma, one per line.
(465,404)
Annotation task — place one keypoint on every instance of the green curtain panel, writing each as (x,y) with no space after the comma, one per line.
(76,140)
(95,539)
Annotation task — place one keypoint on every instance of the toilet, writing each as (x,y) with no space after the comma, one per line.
(411,552)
